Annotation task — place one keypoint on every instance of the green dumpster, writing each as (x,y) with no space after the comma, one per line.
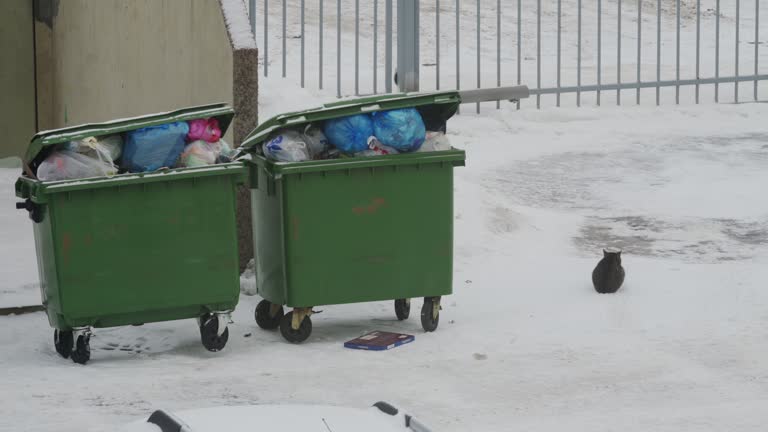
(353,229)
(134,248)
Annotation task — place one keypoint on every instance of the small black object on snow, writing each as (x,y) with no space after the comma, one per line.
(608,275)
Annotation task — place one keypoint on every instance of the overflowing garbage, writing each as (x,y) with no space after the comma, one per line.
(379,133)
(183,144)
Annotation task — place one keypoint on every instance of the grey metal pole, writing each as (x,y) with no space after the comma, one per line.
(519,44)
(498,48)
(437,44)
(338,48)
(303,37)
(458,52)
(538,51)
(357,47)
(639,44)
(578,56)
(599,46)
(320,38)
(408,45)
(618,52)
(698,46)
(736,66)
(559,46)
(658,51)
(375,46)
(388,46)
(252,15)
(677,51)
(284,38)
(717,50)
(478,51)
(757,40)
(266,37)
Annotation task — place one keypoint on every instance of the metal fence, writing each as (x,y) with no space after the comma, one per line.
(582,49)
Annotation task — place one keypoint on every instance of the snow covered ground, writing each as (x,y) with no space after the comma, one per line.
(524,343)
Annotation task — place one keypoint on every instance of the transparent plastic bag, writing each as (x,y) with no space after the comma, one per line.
(376,148)
(202,153)
(435,141)
(402,129)
(316,141)
(349,134)
(108,147)
(154,147)
(287,146)
(69,165)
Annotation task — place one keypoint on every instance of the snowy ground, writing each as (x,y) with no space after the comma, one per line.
(524,343)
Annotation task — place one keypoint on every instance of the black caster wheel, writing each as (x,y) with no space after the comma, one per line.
(295,336)
(82,351)
(209,329)
(429,317)
(264,318)
(63,341)
(403,308)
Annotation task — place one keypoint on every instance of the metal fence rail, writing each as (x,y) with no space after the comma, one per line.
(581,49)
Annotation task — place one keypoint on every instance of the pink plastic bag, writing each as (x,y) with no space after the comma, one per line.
(204,129)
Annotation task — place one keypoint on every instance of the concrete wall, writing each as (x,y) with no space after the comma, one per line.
(105,59)
(17,72)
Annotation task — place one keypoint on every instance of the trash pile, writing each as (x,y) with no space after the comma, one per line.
(377,134)
(193,143)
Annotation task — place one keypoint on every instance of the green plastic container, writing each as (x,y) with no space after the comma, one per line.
(135,248)
(354,229)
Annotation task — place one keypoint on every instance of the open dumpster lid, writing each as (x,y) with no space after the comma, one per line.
(42,141)
(436,108)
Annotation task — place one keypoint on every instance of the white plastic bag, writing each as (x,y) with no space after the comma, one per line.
(202,153)
(287,146)
(108,147)
(69,165)
(435,141)
(376,148)
(316,141)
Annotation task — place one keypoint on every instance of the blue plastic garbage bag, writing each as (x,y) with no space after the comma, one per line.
(154,147)
(349,134)
(402,129)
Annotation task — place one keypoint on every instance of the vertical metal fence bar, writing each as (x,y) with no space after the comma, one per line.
(736,65)
(757,40)
(375,46)
(698,46)
(658,50)
(599,46)
(252,16)
(437,44)
(302,42)
(458,53)
(266,37)
(639,44)
(538,52)
(717,50)
(677,51)
(519,44)
(338,48)
(357,47)
(578,57)
(618,52)
(320,38)
(284,38)
(478,51)
(388,46)
(559,39)
(498,48)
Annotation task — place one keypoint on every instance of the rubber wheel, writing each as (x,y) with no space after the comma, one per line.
(209,329)
(295,336)
(82,352)
(63,341)
(428,322)
(402,309)
(264,320)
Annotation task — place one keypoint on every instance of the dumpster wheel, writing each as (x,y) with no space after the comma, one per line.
(268,315)
(403,308)
(212,339)
(430,313)
(82,351)
(304,327)
(63,341)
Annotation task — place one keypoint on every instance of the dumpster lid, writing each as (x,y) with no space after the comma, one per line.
(435,108)
(43,140)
